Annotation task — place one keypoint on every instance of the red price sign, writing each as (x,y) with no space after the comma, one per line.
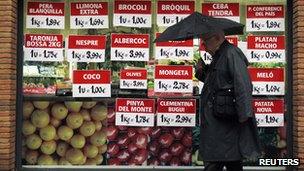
(92,83)
(135,112)
(222,10)
(133,79)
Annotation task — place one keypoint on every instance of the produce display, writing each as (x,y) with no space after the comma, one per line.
(64,133)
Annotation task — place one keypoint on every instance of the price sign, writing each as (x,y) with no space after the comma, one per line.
(207,58)
(265,18)
(130,47)
(269,113)
(86,48)
(266,48)
(91,83)
(173,79)
(135,112)
(181,50)
(267,81)
(172,12)
(222,10)
(133,79)
(178,113)
(89,15)
(43,47)
(132,14)
(45,15)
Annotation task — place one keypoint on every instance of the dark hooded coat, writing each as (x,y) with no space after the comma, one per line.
(221,139)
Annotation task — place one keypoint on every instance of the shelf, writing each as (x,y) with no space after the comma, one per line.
(41,76)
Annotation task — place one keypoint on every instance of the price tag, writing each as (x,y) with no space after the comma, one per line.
(269,113)
(130,47)
(135,112)
(222,10)
(89,15)
(178,113)
(181,50)
(265,18)
(267,81)
(44,15)
(266,48)
(91,83)
(172,12)
(133,79)
(132,13)
(173,78)
(43,47)
(86,48)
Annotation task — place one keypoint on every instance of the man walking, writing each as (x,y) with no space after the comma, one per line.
(228,126)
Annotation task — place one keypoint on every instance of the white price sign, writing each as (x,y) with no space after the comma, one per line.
(133,79)
(86,48)
(135,112)
(267,81)
(265,18)
(43,15)
(132,13)
(129,54)
(39,54)
(270,120)
(172,12)
(89,15)
(91,83)
(164,85)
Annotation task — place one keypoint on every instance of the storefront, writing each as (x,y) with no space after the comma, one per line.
(83,85)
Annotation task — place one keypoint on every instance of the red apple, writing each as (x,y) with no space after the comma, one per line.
(187,140)
(131,132)
(166,140)
(178,132)
(144,130)
(175,162)
(112,132)
(141,141)
(186,157)
(155,133)
(153,161)
(111,115)
(113,149)
(123,140)
(123,155)
(176,149)
(164,156)
(131,162)
(132,148)
(113,161)
(122,128)
(154,148)
(141,156)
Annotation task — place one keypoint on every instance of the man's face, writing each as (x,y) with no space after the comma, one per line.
(210,42)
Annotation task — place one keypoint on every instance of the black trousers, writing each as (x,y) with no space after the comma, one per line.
(218,166)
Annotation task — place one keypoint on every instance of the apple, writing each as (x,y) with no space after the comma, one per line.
(123,155)
(131,162)
(186,157)
(178,132)
(165,156)
(153,161)
(111,115)
(132,148)
(112,132)
(131,132)
(113,161)
(123,140)
(144,130)
(113,149)
(155,133)
(141,141)
(176,149)
(166,140)
(187,140)
(122,128)
(141,156)
(175,162)
(154,148)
